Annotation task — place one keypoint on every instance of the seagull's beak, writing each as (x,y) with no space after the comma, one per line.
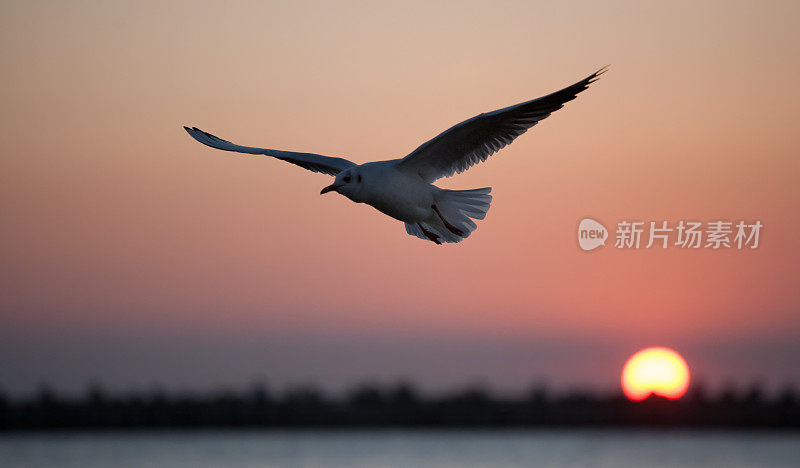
(329,188)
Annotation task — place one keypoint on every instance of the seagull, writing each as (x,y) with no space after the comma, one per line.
(403,188)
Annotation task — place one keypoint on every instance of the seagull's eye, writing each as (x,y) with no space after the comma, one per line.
(359,178)
(346,179)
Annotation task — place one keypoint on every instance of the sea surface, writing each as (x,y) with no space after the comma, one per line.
(403,448)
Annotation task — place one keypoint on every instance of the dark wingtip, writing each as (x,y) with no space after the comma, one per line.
(596,75)
(601,71)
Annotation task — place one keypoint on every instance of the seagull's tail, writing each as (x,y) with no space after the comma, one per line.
(457,207)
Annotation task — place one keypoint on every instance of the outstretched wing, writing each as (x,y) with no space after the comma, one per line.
(310,161)
(474,140)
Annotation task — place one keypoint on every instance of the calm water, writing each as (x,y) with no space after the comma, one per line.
(389,448)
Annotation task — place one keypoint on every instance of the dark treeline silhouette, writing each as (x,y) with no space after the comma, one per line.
(394,406)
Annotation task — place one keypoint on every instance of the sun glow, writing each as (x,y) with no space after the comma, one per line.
(658,371)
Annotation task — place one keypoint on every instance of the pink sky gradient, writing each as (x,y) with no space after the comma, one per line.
(117,224)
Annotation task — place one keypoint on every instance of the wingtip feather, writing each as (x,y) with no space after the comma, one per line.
(596,75)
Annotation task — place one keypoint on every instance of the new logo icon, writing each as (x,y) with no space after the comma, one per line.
(591,234)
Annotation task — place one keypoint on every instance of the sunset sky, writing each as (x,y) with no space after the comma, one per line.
(133,255)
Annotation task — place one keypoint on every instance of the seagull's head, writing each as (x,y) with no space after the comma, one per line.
(347,183)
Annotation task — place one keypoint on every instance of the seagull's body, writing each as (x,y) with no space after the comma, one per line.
(403,188)
(396,193)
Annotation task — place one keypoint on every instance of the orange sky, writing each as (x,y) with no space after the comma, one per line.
(115,222)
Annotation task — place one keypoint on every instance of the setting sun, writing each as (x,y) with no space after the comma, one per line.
(658,371)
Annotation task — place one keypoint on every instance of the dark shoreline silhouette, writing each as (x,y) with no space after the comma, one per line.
(393,406)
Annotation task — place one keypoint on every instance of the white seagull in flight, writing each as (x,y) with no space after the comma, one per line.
(403,188)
